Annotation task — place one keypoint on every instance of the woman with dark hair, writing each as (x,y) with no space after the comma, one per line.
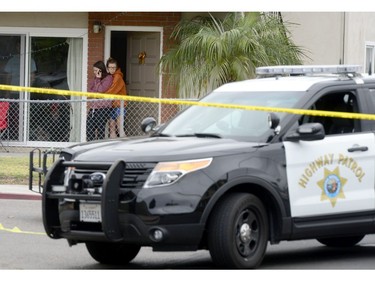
(99,110)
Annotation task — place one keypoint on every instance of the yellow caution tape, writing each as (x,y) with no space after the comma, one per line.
(17,230)
(189,103)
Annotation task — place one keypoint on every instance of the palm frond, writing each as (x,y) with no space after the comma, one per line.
(212,51)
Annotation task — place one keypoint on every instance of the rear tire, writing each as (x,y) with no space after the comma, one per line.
(238,232)
(112,253)
(349,241)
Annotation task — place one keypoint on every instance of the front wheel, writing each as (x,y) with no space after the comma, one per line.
(238,232)
(112,253)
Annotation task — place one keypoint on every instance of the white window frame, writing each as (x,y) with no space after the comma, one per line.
(369,45)
(29,32)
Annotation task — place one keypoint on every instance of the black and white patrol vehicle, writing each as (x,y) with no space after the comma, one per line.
(257,162)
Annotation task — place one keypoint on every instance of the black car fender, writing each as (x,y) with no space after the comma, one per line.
(279,216)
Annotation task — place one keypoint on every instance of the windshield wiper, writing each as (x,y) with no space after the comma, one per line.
(160,135)
(201,135)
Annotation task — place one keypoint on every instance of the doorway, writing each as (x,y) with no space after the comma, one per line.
(137,51)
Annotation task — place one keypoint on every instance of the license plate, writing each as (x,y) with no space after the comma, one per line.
(90,212)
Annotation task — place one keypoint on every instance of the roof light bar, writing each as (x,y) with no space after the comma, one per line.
(308,69)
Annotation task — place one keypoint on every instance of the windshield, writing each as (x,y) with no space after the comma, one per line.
(238,124)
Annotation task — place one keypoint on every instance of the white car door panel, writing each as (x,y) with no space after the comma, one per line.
(331,176)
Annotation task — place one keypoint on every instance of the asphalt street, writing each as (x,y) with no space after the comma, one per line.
(24,245)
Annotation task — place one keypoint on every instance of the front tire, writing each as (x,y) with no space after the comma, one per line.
(112,253)
(238,232)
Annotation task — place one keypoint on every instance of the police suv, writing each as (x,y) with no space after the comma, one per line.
(289,155)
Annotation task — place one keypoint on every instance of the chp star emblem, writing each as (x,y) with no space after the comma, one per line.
(332,186)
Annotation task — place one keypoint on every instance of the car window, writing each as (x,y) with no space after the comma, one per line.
(337,102)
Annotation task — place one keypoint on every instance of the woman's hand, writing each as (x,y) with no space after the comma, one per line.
(98,73)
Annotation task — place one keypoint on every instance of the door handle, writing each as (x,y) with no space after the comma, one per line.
(357,148)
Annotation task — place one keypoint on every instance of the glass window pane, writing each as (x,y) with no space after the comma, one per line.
(12,59)
(12,68)
(51,116)
(369,59)
(45,62)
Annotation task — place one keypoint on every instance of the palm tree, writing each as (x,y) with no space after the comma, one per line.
(211,52)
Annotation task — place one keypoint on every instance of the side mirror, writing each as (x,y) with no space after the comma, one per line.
(307,132)
(148,124)
(273,120)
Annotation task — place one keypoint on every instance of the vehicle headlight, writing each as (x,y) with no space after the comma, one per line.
(166,173)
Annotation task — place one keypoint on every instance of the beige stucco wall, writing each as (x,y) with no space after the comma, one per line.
(56,20)
(318,33)
(333,37)
(360,29)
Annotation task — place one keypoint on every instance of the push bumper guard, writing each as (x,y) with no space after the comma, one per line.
(38,164)
(109,198)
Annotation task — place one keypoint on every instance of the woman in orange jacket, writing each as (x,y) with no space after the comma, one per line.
(118,87)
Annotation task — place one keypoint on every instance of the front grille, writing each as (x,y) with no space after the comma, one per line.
(136,174)
(134,177)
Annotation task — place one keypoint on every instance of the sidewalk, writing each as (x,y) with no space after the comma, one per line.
(21,192)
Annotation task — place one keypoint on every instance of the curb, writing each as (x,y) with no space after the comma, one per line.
(20,192)
(20,196)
